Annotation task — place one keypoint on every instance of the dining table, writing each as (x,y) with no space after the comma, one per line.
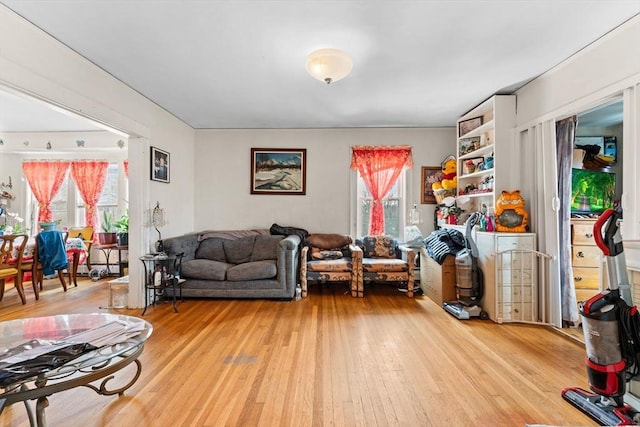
(76,254)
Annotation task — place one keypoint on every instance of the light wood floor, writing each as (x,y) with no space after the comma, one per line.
(330,359)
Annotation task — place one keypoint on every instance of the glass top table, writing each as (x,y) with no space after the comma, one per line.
(114,341)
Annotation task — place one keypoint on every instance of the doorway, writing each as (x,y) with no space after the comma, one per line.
(596,185)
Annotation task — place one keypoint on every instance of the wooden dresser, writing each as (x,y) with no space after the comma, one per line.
(586,259)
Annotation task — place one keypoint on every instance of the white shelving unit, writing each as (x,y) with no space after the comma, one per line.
(483,153)
(509,261)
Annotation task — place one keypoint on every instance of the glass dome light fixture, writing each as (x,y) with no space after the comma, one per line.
(328,65)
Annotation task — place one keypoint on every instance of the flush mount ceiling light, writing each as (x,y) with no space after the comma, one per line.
(328,65)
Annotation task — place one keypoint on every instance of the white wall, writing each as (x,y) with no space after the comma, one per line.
(611,61)
(223,164)
(34,63)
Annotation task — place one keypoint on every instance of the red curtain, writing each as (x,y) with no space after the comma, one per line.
(126,168)
(45,178)
(380,167)
(90,176)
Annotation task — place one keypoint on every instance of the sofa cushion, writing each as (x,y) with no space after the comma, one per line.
(239,251)
(265,247)
(211,249)
(204,269)
(256,270)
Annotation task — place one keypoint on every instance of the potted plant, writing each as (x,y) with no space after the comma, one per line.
(122,229)
(108,235)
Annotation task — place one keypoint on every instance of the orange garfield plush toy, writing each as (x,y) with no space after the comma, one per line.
(510,213)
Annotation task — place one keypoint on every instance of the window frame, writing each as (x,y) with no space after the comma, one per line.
(357,210)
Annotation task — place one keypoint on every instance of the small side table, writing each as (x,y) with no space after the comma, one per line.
(106,250)
(160,272)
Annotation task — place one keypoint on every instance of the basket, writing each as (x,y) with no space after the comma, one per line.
(442,194)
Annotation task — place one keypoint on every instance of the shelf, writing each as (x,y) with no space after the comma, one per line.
(477,153)
(476,174)
(474,195)
(478,131)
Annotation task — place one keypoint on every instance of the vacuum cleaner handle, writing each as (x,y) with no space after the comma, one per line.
(607,244)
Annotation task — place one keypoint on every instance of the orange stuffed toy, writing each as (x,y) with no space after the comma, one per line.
(510,213)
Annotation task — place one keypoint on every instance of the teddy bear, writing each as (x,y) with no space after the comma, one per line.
(449,179)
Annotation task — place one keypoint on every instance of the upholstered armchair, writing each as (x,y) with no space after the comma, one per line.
(382,261)
(330,258)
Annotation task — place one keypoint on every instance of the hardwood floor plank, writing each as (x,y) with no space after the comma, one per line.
(329,359)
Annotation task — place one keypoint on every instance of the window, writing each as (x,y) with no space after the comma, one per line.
(68,207)
(393,205)
(59,205)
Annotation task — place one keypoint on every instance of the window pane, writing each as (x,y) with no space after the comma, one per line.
(59,203)
(392,205)
(108,198)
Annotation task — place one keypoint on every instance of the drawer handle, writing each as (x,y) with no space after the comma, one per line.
(580,254)
(577,279)
(588,235)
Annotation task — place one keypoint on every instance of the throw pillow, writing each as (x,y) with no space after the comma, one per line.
(211,249)
(265,247)
(321,254)
(238,251)
(328,241)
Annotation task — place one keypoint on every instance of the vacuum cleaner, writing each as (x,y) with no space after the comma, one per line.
(469,278)
(611,326)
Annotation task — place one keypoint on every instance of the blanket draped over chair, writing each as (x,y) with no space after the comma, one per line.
(52,254)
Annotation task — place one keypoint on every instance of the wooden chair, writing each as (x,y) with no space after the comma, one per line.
(86,234)
(48,244)
(11,252)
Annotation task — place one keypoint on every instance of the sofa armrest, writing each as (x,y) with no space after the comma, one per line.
(290,242)
(288,257)
(411,255)
(356,253)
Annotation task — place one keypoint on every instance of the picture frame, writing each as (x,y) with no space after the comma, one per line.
(160,165)
(430,174)
(279,171)
(466,126)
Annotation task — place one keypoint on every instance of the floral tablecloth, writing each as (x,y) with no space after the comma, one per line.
(73,245)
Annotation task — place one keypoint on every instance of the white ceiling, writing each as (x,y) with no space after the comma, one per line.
(240,63)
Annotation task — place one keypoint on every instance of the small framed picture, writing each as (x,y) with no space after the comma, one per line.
(160,165)
(466,126)
(430,175)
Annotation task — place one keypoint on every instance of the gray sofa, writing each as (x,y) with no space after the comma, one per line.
(237,264)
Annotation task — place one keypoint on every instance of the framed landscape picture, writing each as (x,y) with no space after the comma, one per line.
(159,165)
(279,171)
(430,174)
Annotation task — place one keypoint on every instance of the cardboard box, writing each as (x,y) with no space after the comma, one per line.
(438,281)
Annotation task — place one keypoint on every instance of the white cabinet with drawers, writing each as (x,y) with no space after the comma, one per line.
(510,267)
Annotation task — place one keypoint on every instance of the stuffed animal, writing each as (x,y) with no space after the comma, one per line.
(449,171)
(510,213)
